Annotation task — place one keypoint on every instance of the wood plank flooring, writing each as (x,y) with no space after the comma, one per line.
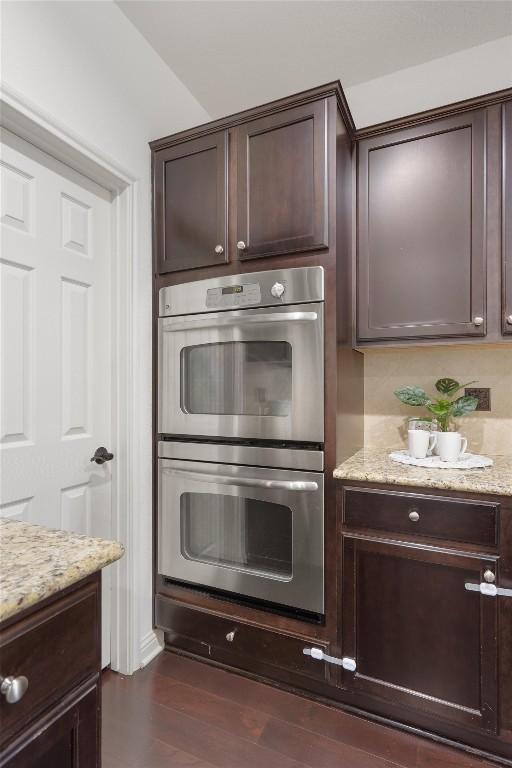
(179,712)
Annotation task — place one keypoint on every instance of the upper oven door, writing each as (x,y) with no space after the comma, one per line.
(252,374)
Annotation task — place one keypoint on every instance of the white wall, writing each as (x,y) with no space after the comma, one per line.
(86,65)
(463,75)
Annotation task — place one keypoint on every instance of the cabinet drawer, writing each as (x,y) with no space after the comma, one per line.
(230,642)
(472,522)
(54,648)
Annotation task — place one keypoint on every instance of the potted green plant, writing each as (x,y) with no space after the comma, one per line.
(444,408)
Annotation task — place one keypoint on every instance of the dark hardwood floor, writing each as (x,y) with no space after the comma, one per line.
(181,712)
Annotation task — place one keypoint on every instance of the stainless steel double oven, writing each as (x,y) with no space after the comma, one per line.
(241,426)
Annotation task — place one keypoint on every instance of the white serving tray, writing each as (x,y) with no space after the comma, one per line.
(466,461)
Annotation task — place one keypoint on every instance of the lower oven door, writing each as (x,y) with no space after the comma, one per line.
(255,532)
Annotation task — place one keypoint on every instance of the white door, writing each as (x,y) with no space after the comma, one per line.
(55,347)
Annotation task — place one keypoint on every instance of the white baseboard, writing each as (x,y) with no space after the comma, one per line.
(151,645)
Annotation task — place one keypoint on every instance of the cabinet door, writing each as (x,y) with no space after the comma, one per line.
(66,737)
(190,204)
(282,178)
(507,218)
(421,231)
(418,637)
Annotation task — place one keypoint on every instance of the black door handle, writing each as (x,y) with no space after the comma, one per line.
(101,455)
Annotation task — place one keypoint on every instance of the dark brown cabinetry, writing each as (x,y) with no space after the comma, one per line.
(56,647)
(507,217)
(421,239)
(190,203)
(66,737)
(282,182)
(428,651)
(419,638)
(269,167)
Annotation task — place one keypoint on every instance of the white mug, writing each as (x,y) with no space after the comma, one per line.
(451,445)
(421,442)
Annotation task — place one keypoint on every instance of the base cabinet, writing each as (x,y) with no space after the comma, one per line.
(419,638)
(56,646)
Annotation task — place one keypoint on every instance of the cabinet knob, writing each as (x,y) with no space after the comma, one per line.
(414,515)
(219,249)
(241,245)
(489,576)
(230,636)
(13,688)
(478,320)
(509,319)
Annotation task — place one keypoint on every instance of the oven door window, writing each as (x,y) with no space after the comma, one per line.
(237,378)
(247,534)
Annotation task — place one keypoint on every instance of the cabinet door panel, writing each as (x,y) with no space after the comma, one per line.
(420,638)
(421,218)
(507,218)
(282,196)
(190,189)
(65,737)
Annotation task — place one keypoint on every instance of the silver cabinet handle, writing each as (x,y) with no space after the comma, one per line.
(414,515)
(251,482)
(489,576)
(172,325)
(478,321)
(219,249)
(230,636)
(509,319)
(241,245)
(13,688)
(489,590)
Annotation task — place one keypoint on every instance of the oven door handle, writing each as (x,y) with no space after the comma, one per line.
(172,325)
(251,482)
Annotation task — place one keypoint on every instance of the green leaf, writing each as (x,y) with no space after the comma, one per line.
(440,408)
(464,405)
(447,386)
(412,395)
(450,386)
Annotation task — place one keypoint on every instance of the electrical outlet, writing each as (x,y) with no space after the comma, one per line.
(483,395)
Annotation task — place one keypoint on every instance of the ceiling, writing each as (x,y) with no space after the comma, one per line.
(232,55)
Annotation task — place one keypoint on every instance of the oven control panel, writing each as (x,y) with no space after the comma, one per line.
(273,288)
(228,296)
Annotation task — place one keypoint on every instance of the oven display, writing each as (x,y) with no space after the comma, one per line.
(233,296)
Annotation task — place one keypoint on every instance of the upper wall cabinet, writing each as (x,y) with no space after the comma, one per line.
(282,182)
(421,231)
(507,217)
(190,204)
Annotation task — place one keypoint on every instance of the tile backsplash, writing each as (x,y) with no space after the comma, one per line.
(385,420)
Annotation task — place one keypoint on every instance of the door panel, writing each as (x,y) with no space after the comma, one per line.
(253,373)
(282,178)
(507,218)
(421,220)
(255,532)
(56,347)
(67,736)
(190,188)
(419,638)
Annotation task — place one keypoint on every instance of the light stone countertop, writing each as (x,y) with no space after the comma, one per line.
(375,466)
(36,562)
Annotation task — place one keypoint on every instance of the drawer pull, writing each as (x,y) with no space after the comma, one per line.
(13,688)
(414,515)
(489,576)
(230,636)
